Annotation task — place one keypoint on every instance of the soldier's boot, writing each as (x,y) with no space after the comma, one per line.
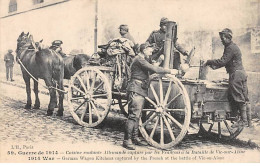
(136,139)
(243,121)
(127,143)
(249,115)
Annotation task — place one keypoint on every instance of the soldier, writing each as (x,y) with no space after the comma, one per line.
(238,91)
(9,64)
(56,46)
(157,39)
(137,91)
(124,32)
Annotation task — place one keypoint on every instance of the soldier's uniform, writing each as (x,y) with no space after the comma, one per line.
(126,35)
(56,46)
(238,91)
(9,64)
(124,32)
(157,38)
(137,91)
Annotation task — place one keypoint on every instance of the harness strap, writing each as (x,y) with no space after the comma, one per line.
(47,87)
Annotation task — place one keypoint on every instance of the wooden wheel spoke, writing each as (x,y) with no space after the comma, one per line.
(98,104)
(161,90)
(76,98)
(179,94)
(100,95)
(169,128)
(78,89)
(79,106)
(95,89)
(145,110)
(87,80)
(90,113)
(95,109)
(82,83)
(154,94)
(83,114)
(153,103)
(149,115)
(210,127)
(162,132)
(175,109)
(174,120)
(93,82)
(167,93)
(154,128)
(150,119)
(219,130)
(229,130)
(125,104)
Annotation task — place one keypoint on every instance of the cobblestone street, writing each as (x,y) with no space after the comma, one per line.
(33,126)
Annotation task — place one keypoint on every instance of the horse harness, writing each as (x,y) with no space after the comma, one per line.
(23,49)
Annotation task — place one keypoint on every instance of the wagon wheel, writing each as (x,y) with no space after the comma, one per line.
(220,130)
(123,105)
(167,112)
(89,96)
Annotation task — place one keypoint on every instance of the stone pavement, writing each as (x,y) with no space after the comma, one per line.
(250,136)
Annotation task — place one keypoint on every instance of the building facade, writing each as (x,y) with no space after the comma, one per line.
(71,21)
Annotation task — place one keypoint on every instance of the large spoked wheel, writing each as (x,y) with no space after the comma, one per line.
(167,112)
(89,96)
(220,130)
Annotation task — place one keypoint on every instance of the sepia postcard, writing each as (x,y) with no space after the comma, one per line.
(129,81)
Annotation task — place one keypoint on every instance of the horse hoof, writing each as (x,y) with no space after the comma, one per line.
(36,107)
(49,113)
(59,113)
(27,107)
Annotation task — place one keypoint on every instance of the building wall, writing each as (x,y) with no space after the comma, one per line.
(71,21)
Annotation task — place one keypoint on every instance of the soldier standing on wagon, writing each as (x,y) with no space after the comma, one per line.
(137,91)
(9,64)
(124,32)
(238,91)
(157,39)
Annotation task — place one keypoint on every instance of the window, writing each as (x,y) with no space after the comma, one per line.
(12,6)
(37,1)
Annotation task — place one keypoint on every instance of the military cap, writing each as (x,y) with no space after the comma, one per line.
(124,27)
(163,21)
(227,32)
(144,46)
(57,42)
(10,51)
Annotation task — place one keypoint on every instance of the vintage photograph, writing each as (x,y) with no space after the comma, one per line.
(129,81)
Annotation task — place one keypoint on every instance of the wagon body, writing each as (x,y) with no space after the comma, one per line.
(172,104)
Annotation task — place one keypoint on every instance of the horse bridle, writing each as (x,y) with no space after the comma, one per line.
(22,49)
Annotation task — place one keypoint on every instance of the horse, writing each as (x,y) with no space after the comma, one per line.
(73,63)
(42,64)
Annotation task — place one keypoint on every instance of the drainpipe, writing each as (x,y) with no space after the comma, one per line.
(169,43)
(95,30)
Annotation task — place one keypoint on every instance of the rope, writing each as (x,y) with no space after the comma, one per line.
(47,87)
